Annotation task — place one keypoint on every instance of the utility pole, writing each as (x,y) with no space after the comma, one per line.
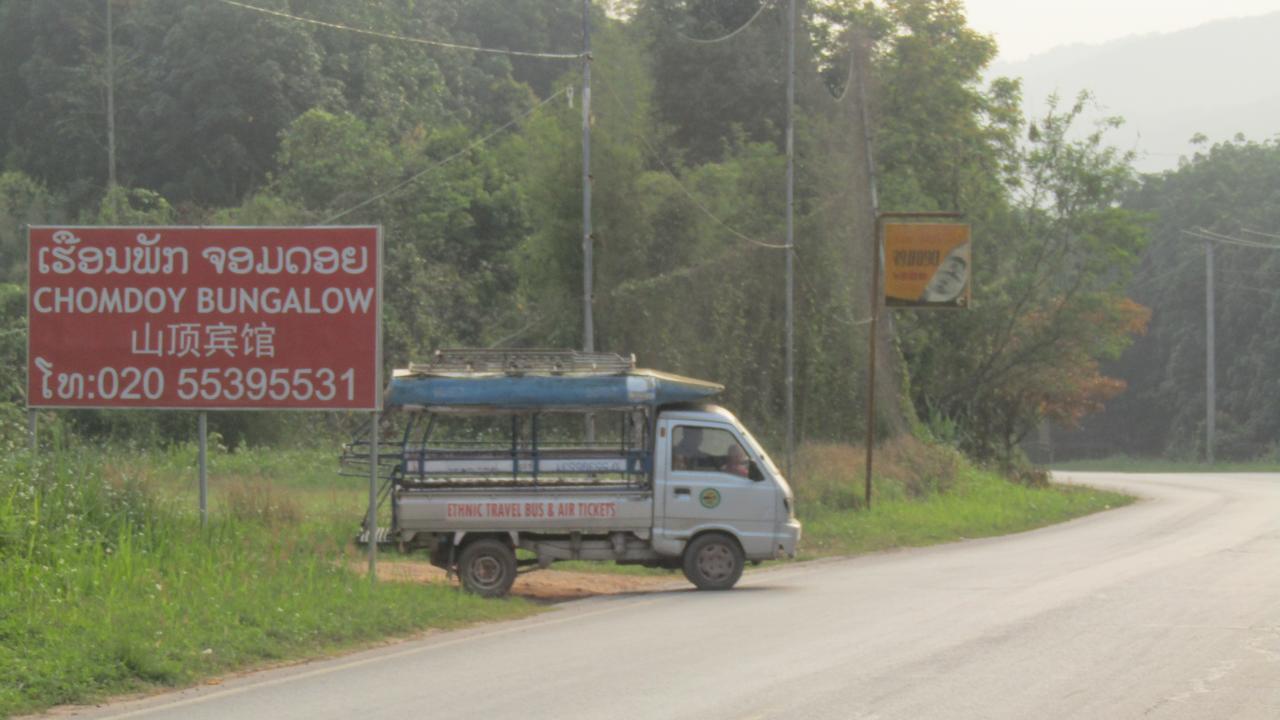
(588,315)
(1210,365)
(877,246)
(791,248)
(111,101)
(588,320)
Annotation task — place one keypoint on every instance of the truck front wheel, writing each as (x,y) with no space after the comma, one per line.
(487,567)
(713,561)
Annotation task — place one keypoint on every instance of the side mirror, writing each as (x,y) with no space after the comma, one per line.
(753,471)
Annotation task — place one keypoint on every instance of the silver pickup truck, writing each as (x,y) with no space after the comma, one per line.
(596,460)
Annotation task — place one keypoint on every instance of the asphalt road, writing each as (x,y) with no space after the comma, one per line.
(1169,608)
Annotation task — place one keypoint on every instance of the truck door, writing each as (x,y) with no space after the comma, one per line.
(705,468)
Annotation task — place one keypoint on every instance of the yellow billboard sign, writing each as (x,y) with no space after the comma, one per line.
(926,265)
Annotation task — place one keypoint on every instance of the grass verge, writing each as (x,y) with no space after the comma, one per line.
(1125,463)
(923,495)
(108,584)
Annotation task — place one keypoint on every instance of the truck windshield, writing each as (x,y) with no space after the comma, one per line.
(758,450)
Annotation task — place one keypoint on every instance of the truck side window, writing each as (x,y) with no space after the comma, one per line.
(707,450)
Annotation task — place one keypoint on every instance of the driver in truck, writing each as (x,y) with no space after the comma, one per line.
(736,462)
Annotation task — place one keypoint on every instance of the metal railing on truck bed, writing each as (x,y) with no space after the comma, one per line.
(422,460)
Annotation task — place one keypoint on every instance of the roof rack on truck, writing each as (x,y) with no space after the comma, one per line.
(493,381)
(469,361)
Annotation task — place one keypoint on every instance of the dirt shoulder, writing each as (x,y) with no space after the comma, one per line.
(542,586)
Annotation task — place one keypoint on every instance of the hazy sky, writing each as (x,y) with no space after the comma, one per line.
(1028,27)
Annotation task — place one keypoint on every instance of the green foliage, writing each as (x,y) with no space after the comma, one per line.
(137,206)
(710,92)
(330,161)
(23,202)
(944,142)
(13,358)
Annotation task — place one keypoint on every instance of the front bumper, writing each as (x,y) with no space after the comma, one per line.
(788,539)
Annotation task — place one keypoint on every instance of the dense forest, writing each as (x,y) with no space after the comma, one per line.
(210,112)
(1227,195)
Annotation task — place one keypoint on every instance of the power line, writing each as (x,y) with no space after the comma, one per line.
(413,178)
(1204,234)
(764,4)
(692,199)
(402,38)
(1237,241)
(1259,232)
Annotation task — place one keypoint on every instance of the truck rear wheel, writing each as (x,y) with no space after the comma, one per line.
(487,567)
(713,561)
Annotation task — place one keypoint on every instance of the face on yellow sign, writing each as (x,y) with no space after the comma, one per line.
(926,265)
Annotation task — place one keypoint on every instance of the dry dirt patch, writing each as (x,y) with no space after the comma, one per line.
(539,586)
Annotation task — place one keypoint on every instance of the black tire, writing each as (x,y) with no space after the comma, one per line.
(713,561)
(487,567)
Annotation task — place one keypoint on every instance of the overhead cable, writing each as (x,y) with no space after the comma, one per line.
(402,38)
(414,178)
(1259,232)
(1211,236)
(711,41)
(1236,240)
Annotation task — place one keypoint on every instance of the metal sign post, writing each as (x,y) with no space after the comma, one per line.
(871,355)
(372,523)
(204,469)
(31,433)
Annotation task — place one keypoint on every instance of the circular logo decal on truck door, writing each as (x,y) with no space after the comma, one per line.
(709,497)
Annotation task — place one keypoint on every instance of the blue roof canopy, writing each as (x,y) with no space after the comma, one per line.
(491,391)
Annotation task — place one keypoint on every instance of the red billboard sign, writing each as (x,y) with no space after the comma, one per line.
(204,318)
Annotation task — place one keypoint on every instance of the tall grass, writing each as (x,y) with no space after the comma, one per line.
(108,583)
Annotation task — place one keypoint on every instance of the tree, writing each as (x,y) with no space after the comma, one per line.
(1049,299)
(708,93)
(23,202)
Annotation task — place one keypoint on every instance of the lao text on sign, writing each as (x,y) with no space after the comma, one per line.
(204,318)
(926,265)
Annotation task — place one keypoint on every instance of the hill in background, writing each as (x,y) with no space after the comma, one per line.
(1218,79)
